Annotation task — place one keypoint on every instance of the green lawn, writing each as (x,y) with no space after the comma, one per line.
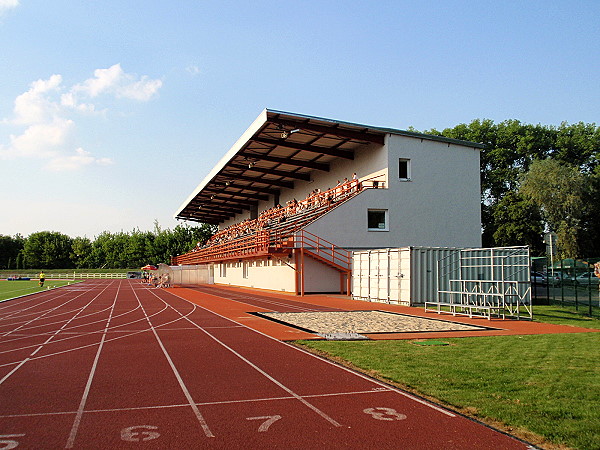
(11,289)
(545,384)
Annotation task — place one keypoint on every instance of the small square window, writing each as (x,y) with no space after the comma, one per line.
(404,169)
(377,220)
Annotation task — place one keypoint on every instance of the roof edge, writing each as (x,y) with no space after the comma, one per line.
(412,134)
(253,128)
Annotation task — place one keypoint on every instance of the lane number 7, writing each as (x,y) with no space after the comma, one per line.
(268,421)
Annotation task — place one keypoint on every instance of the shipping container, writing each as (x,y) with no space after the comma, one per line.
(415,275)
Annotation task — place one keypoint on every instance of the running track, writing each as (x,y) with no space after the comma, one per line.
(114,364)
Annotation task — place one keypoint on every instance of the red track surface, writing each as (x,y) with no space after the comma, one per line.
(114,364)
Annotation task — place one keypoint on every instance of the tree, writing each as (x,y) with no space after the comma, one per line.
(48,249)
(181,239)
(10,247)
(518,220)
(511,147)
(81,252)
(559,191)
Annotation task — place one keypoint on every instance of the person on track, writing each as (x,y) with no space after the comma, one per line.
(42,278)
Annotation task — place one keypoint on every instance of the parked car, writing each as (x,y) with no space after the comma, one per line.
(562,277)
(554,278)
(537,278)
(587,278)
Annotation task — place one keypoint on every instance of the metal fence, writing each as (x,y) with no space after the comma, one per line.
(568,282)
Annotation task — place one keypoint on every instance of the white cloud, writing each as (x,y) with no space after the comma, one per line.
(45,111)
(42,140)
(35,106)
(80,159)
(5,5)
(141,90)
(193,69)
(115,81)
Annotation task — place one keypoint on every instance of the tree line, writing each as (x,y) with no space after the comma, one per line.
(537,179)
(122,250)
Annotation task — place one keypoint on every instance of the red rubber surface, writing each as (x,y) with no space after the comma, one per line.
(114,364)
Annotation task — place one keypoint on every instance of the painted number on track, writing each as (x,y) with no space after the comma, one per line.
(139,433)
(384,413)
(268,421)
(6,441)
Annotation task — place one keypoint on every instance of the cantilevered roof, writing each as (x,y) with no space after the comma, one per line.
(278,149)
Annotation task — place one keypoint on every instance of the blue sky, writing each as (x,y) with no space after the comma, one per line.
(112,112)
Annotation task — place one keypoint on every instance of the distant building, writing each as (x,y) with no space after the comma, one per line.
(412,190)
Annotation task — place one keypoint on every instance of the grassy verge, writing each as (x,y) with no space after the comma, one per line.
(564,315)
(544,388)
(12,289)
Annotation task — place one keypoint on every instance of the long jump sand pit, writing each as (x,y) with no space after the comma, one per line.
(364,322)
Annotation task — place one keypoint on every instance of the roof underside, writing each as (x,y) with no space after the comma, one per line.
(283,148)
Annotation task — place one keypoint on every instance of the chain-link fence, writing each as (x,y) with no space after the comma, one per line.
(567,282)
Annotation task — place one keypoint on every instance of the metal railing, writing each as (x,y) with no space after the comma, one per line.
(491,281)
(323,249)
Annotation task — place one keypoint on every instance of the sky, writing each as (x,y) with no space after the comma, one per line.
(112,112)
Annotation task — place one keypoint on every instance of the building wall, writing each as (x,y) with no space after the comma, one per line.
(273,274)
(319,277)
(438,207)
(261,273)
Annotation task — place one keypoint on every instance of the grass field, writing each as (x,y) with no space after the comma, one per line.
(543,388)
(11,289)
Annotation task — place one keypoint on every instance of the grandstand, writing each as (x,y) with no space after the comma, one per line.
(297,194)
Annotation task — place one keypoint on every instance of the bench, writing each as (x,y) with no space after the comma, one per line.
(465,309)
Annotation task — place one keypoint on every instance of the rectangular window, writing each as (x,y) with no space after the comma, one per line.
(223,269)
(377,220)
(245,269)
(404,169)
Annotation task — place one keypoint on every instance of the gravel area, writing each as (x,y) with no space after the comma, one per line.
(365,322)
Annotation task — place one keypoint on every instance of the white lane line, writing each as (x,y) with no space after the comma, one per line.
(23,300)
(21,313)
(79,415)
(358,374)
(182,385)
(40,346)
(186,405)
(262,372)
(40,316)
(96,343)
(76,334)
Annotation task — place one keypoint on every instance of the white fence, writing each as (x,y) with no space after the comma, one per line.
(74,275)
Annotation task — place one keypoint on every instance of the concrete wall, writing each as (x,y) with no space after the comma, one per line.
(319,277)
(261,273)
(438,207)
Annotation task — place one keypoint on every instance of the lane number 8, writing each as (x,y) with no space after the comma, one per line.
(384,413)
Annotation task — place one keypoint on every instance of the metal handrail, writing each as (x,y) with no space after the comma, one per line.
(324,248)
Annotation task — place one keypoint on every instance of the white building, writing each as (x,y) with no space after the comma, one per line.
(419,190)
